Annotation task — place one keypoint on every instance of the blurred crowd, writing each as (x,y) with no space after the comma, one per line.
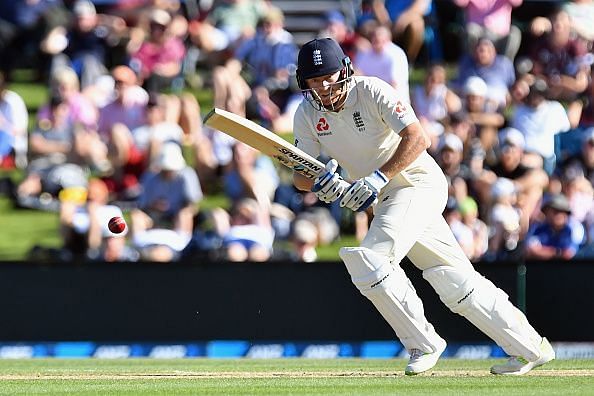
(120,132)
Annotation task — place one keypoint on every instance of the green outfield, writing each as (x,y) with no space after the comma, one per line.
(285,376)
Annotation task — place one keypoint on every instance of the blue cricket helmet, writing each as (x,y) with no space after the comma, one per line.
(319,57)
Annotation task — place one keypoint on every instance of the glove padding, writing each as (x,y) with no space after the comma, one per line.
(363,193)
(329,185)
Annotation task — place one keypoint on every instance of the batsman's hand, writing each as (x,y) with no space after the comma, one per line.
(363,193)
(329,185)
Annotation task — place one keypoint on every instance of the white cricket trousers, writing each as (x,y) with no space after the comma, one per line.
(408,222)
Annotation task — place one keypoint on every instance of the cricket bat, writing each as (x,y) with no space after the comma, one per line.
(265,141)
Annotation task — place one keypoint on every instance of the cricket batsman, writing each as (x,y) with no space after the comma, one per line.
(364,125)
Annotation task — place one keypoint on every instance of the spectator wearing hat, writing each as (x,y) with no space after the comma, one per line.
(554,237)
(480,232)
(539,120)
(530,182)
(482,112)
(506,223)
(461,231)
(159,58)
(384,60)
(163,222)
(497,71)
(450,160)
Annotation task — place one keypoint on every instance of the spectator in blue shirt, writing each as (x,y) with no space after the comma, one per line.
(554,237)
(496,70)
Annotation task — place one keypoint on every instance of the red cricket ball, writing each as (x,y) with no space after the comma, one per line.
(116,225)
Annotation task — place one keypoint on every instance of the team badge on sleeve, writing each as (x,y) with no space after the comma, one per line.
(400,109)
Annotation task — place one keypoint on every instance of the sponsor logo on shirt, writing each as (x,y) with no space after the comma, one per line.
(358,121)
(323,127)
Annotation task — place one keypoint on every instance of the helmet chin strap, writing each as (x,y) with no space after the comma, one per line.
(314,99)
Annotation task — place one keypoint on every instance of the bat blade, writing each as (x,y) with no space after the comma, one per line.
(265,141)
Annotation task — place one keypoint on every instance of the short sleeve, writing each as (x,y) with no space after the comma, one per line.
(304,137)
(395,109)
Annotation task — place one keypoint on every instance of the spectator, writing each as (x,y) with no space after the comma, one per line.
(583,162)
(581,14)
(553,238)
(53,165)
(506,223)
(434,101)
(159,58)
(269,60)
(227,24)
(304,239)
(529,182)
(84,227)
(461,231)
(24,26)
(497,71)
(124,113)
(540,120)
(405,18)
(85,45)
(64,84)
(450,161)
(162,224)
(469,210)
(492,19)
(336,27)
(384,60)
(13,128)
(482,112)
(249,175)
(250,235)
(558,58)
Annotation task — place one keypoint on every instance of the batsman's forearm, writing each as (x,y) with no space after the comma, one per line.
(414,142)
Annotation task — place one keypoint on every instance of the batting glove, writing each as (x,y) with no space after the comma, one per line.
(363,193)
(329,185)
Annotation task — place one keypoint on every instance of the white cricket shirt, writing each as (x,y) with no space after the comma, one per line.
(364,134)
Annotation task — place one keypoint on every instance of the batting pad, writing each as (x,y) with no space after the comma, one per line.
(393,295)
(471,295)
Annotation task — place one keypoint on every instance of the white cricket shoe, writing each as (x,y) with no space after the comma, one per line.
(422,361)
(517,365)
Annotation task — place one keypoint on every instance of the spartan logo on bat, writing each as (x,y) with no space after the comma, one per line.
(358,121)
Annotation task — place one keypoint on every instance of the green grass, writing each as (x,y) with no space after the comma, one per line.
(22,229)
(285,376)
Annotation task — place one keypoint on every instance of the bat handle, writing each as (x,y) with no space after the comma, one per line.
(345,184)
